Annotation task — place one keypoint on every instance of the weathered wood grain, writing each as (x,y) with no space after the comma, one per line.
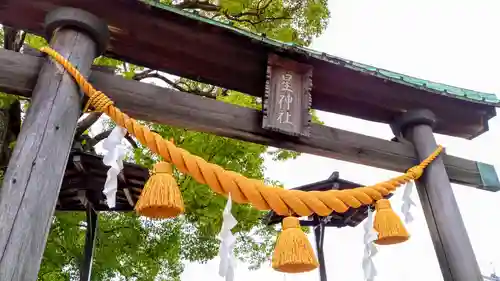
(449,235)
(287,100)
(18,72)
(148,102)
(151,103)
(35,172)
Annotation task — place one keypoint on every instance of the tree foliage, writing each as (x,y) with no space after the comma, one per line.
(288,21)
(131,248)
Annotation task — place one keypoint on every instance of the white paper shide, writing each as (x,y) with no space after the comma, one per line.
(407,202)
(115,153)
(227,259)
(370,248)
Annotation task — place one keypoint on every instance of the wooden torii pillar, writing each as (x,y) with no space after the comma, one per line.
(449,235)
(31,185)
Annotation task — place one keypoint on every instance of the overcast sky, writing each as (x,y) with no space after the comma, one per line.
(454,42)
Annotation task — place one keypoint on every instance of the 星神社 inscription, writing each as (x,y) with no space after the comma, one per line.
(287,98)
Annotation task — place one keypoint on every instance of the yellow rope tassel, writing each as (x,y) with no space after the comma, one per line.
(387,223)
(243,190)
(161,197)
(293,252)
(389,226)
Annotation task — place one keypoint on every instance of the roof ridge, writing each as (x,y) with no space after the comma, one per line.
(411,81)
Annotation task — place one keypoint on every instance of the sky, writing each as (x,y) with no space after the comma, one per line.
(453,42)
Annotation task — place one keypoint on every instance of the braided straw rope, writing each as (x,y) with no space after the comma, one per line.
(243,190)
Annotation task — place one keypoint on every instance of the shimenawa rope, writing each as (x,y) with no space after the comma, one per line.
(243,190)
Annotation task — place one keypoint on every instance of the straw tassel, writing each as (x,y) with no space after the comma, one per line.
(389,226)
(161,197)
(293,252)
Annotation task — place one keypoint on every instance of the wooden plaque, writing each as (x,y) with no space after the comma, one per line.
(287,98)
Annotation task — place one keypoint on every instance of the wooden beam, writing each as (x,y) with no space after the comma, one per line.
(36,169)
(148,102)
(152,103)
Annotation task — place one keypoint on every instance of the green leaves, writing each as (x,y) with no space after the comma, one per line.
(6,100)
(233,6)
(136,248)
(35,41)
(287,34)
(288,21)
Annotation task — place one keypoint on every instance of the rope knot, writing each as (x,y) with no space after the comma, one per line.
(162,168)
(99,101)
(415,172)
(382,204)
(290,222)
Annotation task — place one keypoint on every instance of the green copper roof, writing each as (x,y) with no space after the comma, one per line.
(437,88)
(429,86)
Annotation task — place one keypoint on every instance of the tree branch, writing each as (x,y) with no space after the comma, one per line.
(99,137)
(238,18)
(198,4)
(173,84)
(132,142)
(142,75)
(253,16)
(87,123)
(177,85)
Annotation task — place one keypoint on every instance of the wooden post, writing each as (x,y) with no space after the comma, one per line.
(90,237)
(451,242)
(319,235)
(35,172)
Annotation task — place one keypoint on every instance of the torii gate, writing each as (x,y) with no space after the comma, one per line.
(80,32)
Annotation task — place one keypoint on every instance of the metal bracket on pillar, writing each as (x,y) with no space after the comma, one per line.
(451,242)
(36,169)
(90,238)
